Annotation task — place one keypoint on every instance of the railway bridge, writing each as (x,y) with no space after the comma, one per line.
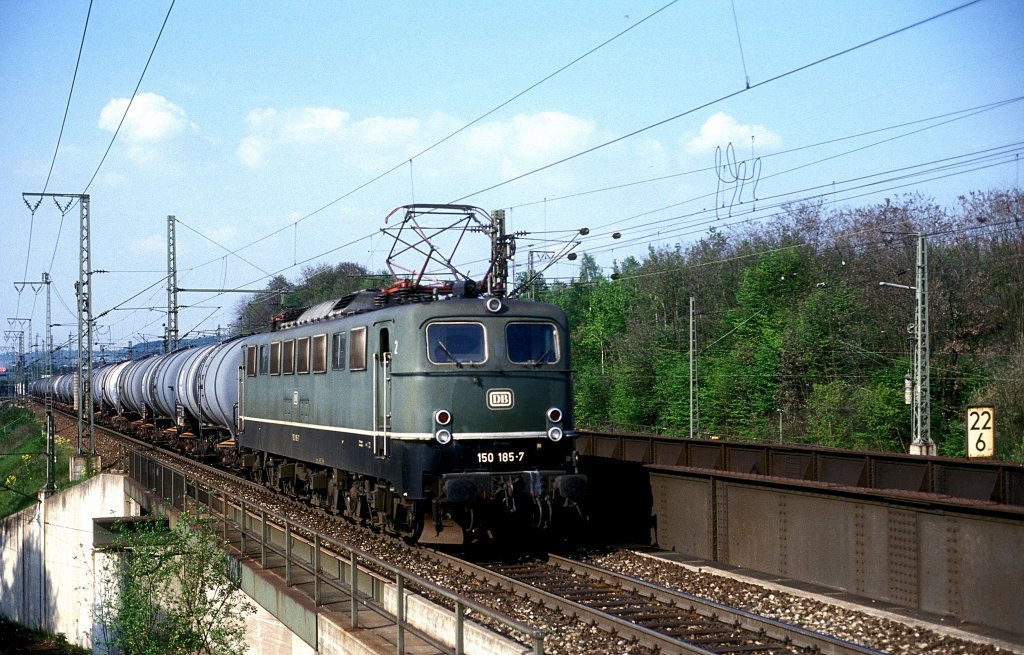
(931,538)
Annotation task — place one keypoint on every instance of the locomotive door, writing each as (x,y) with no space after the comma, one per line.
(382,395)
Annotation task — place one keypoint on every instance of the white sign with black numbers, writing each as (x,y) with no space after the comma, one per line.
(981,431)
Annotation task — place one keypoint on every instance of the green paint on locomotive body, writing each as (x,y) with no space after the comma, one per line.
(382,421)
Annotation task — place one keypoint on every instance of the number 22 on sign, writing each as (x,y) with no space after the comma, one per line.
(981,431)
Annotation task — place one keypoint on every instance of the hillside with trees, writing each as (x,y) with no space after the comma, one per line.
(790,317)
(791,321)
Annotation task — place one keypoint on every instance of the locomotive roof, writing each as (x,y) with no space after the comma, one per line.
(374,300)
(354,303)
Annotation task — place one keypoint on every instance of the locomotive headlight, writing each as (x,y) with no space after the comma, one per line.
(442,417)
(555,433)
(443,436)
(555,415)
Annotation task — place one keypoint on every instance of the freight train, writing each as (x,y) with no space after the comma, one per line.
(393,407)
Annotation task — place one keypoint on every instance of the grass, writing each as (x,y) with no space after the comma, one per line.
(18,640)
(23,459)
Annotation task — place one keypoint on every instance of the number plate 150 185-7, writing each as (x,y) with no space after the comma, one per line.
(501,457)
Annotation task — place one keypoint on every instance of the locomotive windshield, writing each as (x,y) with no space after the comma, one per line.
(531,343)
(456,343)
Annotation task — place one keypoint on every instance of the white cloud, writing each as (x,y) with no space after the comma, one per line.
(527,141)
(260,117)
(151,118)
(252,151)
(313,124)
(722,129)
(323,134)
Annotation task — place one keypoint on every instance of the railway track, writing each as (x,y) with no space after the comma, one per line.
(582,609)
(651,616)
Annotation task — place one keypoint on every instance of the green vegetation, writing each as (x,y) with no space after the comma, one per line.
(791,320)
(19,639)
(23,459)
(171,592)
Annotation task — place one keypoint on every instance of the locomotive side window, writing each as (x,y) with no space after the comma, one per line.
(456,343)
(338,351)
(264,359)
(531,343)
(320,353)
(288,357)
(250,361)
(357,350)
(275,358)
(302,355)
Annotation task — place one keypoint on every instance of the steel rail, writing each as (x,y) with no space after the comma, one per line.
(796,635)
(663,642)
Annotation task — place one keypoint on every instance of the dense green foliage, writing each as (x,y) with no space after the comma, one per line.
(23,462)
(170,592)
(790,318)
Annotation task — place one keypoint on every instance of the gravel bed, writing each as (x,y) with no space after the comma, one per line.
(882,634)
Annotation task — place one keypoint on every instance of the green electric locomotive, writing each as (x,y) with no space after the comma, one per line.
(396,413)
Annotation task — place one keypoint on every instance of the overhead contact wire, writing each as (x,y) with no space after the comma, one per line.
(723,98)
(464,127)
(132,99)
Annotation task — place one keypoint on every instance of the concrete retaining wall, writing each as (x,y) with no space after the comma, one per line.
(50,569)
(48,564)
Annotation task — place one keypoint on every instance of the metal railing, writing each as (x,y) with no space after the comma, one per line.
(355,575)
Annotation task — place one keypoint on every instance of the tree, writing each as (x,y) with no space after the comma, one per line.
(254,314)
(317,284)
(170,592)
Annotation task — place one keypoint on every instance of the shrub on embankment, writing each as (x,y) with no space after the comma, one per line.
(23,458)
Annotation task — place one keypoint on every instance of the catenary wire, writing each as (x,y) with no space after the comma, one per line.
(775,78)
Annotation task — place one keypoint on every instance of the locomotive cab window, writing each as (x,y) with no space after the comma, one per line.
(532,343)
(456,343)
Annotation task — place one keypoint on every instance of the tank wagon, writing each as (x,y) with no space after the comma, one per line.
(391,408)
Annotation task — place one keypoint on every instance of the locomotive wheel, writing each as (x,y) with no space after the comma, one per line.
(407,522)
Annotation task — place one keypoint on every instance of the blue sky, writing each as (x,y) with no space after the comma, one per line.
(283,119)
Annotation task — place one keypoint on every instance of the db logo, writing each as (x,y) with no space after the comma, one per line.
(500,398)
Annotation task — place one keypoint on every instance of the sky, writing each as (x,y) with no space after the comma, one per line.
(280,135)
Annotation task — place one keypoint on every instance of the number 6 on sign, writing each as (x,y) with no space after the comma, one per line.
(981,431)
